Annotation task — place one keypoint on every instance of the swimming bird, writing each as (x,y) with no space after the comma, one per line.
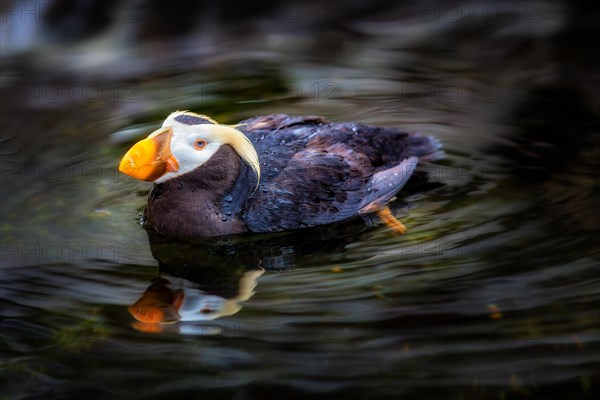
(270,173)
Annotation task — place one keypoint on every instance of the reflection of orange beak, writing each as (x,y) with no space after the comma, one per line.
(158,305)
(150,158)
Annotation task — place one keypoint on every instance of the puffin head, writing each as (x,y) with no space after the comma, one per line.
(184,142)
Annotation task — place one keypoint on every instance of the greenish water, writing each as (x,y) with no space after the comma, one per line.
(492,293)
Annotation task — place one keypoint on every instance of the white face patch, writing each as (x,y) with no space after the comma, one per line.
(189,157)
(183,149)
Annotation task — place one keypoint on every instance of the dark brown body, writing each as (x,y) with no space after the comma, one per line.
(313,173)
(193,203)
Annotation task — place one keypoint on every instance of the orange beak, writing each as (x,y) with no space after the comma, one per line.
(150,158)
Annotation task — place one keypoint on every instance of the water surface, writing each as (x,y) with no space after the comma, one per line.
(492,293)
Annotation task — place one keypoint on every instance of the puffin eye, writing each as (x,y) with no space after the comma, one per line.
(199,144)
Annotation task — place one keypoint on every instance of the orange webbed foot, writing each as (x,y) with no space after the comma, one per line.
(386,216)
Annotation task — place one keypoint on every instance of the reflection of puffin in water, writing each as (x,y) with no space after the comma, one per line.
(270,174)
(171,299)
(210,278)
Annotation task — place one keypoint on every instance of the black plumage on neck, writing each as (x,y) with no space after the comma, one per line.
(206,201)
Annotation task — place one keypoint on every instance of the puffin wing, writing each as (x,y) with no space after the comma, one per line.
(316,187)
(318,172)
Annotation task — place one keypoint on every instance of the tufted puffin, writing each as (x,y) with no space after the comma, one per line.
(270,173)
